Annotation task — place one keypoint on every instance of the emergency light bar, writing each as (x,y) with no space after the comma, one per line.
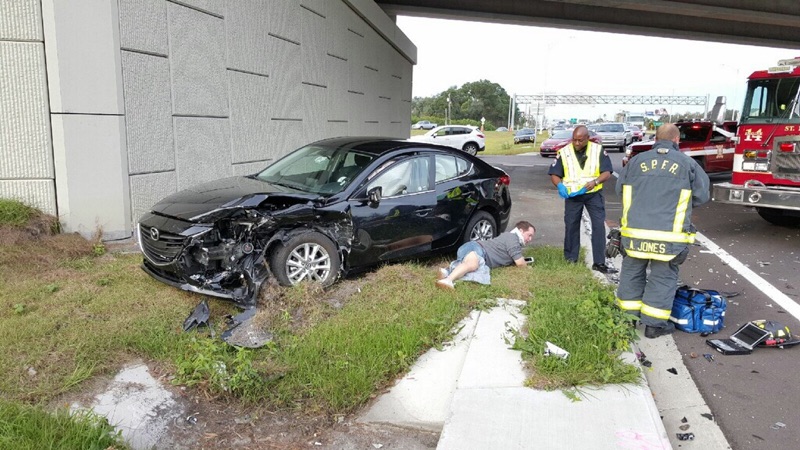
(785,66)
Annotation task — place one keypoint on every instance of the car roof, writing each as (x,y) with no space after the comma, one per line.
(376,145)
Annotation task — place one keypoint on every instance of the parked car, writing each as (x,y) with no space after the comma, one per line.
(637,134)
(525,135)
(501,129)
(463,137)
(561,139)
(711,148)
(614,135)
(327,209)
(423,125)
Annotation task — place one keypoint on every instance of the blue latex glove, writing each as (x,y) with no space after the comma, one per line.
(580,191)
(562,190)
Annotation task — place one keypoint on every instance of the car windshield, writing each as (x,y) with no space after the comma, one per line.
(772,100)
(525,131)
(611,128)
(562,134)
(317,169)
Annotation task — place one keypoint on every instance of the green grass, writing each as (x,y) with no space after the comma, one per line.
(69,314)
(30,428)
(14,213)
(502,143)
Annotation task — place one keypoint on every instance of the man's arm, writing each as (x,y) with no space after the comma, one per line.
(700,185)
(520,262)
(555,179)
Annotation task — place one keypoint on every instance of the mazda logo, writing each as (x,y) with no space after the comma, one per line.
(154,233)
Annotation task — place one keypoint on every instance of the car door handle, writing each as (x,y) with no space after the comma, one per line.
(422,212)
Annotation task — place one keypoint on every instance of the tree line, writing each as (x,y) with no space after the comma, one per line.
(468,104)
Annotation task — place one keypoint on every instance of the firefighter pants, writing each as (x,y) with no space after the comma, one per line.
(649,297)
(573,209)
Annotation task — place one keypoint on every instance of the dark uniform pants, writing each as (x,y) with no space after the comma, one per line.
(573,208)
(651,296)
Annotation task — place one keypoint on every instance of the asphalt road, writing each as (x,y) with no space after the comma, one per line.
(749,395)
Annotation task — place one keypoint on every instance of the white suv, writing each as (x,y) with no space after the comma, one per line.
(463,137)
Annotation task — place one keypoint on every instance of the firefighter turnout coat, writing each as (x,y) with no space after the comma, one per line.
(658,188)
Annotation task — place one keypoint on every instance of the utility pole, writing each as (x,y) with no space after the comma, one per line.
(513,111)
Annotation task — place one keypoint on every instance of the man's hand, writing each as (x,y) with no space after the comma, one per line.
(562,190)
(580,191)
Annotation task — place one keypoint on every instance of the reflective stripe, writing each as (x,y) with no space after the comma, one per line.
(645,255)
(679,321)
(655,312)
(626,204)
(629,305)
(576,177)
(656,235)
(680,210)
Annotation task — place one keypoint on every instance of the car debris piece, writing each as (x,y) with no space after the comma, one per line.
(709,357)
(778,425)
(708,416)
(199,316)
(551,349)
(684,427)
(672,370)
(684,420)
(685,436)
(243,332)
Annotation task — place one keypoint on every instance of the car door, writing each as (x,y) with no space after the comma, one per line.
(719,155)
(456,198)
(399,225)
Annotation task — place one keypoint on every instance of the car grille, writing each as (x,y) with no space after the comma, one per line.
(162,250)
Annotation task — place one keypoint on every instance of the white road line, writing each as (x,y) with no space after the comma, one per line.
(763,285)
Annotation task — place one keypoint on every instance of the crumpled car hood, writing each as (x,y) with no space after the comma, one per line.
(199,201)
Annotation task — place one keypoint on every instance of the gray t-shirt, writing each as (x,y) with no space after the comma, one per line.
(502,250)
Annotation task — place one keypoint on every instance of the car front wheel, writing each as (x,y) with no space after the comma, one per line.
(306,257)
(471,148)
(481,227)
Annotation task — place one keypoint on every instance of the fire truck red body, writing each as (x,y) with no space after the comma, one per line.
(766,165)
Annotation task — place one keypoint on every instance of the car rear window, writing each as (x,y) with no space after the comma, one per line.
(562,134)
(611,128)
(694,132)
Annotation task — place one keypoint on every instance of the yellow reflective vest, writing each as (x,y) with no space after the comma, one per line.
(575,176)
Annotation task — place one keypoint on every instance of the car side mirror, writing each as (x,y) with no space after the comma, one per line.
(374,195)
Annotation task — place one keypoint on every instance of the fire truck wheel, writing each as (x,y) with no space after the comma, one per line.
(778,217)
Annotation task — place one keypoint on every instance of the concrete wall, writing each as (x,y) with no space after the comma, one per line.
(107,106)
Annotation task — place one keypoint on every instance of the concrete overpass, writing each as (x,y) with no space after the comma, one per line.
(772,23)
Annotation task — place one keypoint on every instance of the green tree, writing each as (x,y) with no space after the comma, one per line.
(471,102)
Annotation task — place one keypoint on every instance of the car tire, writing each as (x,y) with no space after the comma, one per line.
(471,148)
(481,227)
(778,217)
(306,257)
(516,141)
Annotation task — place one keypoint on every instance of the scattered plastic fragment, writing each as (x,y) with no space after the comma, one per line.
(684,427)
(551,349)
(684,420)
(192,418)
(672,370)
(757,437)
(708,416)
(199,316)
(709,357)
(778,425)
(693,355)
(377,445)
(685,436)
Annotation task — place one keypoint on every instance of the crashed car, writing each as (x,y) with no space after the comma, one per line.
(327,209)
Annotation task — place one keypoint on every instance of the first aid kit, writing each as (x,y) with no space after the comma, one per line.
(698,310)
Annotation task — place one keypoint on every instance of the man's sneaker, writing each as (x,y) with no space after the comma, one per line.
(654,332)
(602,268)
(444,283)
(443,273)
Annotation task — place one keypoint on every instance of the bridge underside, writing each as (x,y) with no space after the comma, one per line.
(772,23)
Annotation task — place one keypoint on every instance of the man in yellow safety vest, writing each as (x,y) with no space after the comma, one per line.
(579,172)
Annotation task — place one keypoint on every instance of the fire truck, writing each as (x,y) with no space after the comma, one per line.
(766,164)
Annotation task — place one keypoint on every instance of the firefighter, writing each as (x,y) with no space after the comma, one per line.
(579,172)
(658,188)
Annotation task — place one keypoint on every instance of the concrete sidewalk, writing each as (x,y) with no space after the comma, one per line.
(473,393)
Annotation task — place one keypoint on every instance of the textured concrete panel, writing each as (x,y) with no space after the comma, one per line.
(21,20)
(338,17)
(147,189)
(216,7)
(148,113)
(338,84)
(37,193)
(283,18)
(202,150)
(287,136)
(312,48)
(356,105)
(287,103)
(92,174)
(262,37)
(251,112)
(143,26)
(83,58)
(315,107)
(197,62)
(250,168)
(24,119)
(336,129)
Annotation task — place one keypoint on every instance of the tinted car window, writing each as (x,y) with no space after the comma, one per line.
(562,134)
(611,128)
(406,177)
(464,166)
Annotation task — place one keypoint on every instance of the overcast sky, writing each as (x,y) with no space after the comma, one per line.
(528,60)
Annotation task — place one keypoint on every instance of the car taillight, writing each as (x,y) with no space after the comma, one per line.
(786,147)
(481,136)
(504,180)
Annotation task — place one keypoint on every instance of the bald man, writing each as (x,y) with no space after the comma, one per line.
(659,189)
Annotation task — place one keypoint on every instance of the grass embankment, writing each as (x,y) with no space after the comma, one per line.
(70,313)
(502,143)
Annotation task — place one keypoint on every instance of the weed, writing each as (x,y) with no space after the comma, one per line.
(218,368)
(19,308)
(15,213)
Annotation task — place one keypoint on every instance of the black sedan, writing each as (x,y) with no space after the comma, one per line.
(322,211)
